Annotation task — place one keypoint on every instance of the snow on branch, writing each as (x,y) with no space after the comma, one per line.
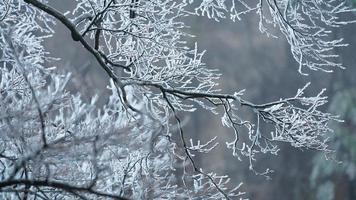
(55,145)
(307,25)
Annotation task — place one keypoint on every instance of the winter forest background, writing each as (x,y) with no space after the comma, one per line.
(264,66)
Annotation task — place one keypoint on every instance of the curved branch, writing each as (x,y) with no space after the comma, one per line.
(58,185)
(78,37)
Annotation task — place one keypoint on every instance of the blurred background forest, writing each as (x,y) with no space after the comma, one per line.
(264,67)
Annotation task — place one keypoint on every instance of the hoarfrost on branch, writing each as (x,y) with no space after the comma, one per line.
(54,145)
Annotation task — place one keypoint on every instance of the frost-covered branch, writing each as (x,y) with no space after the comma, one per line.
(307,25)
(296,120)
(54,145)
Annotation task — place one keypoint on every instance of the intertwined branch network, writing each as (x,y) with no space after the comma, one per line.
(55,146)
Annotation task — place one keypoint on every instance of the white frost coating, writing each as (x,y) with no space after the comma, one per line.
(307,25)
(54,144)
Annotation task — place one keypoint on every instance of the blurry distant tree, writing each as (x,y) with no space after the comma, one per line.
(327,177)
(55,146)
